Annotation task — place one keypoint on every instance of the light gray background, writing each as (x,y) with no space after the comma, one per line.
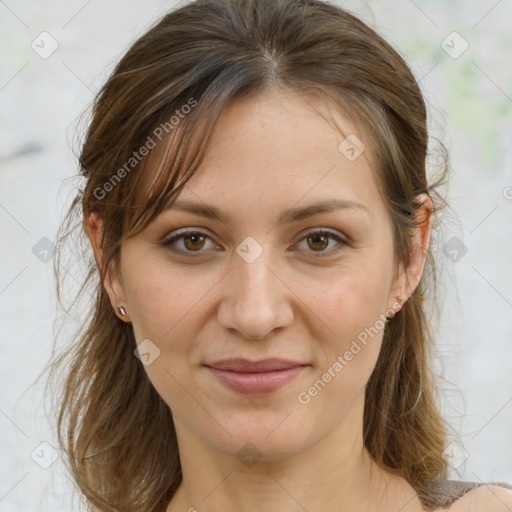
(471,100)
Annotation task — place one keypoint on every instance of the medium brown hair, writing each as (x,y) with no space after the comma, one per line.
(115,429)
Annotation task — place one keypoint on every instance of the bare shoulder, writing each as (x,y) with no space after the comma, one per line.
(491,498)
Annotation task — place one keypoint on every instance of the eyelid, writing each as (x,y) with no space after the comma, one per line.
(178,234)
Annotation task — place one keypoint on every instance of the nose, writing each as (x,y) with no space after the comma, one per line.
(255,299)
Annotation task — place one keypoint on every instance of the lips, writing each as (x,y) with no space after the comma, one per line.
(246,366)
(255,377)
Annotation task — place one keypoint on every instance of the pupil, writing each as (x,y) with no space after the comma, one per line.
(317,237)
(194,239)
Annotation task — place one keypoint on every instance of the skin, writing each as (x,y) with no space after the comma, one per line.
(270,153)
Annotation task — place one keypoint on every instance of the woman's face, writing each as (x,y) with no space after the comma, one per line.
(276,275)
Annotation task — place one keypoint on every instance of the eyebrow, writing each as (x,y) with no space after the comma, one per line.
(287,217)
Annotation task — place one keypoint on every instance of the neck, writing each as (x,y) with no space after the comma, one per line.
(335,473)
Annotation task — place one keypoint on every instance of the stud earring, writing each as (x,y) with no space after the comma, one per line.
(122,311)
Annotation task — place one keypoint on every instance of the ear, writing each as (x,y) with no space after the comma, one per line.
(409,279)
(94,228)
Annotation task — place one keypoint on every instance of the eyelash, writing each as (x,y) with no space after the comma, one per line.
(183,234)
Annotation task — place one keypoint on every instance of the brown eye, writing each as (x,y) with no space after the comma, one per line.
(196,241)
(193,241)
(318,241)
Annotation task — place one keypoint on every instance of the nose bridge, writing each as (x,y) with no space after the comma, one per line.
(255,300)
(254,280)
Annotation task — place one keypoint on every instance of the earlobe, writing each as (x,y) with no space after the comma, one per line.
(395,307)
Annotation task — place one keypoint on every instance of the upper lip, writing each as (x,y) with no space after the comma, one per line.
(245,365)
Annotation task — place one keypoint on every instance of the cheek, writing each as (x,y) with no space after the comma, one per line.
(161,296)
(351,305)
(351,299)
(349,347)
(163,300)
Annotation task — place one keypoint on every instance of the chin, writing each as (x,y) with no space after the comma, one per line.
(264,436)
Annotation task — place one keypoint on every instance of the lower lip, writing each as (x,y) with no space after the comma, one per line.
(256,383)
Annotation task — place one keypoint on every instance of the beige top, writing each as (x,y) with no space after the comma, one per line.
(442,493)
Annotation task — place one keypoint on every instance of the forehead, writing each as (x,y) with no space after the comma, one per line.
(276,147)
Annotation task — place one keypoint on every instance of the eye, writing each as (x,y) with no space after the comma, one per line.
(319,240)
(194,241)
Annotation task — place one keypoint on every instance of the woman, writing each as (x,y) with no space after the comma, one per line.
(257,203)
